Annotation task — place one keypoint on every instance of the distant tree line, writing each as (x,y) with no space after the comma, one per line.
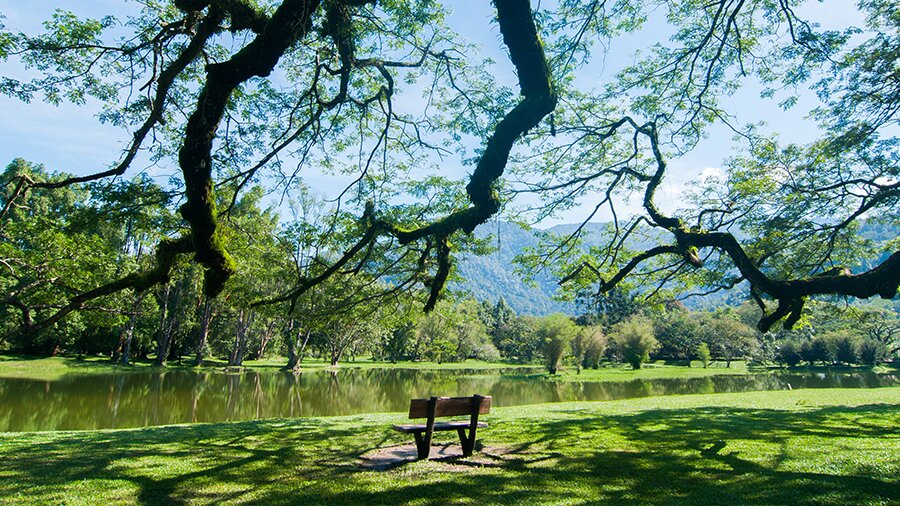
(57,241)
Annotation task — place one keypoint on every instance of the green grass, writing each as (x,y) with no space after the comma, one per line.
(800,447)
(43,368)
(52,368)
(655,370)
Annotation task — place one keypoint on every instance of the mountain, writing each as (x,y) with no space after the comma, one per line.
(488,277)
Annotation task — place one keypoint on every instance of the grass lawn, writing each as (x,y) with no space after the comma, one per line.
(824,446)
(654,370)
(52,368)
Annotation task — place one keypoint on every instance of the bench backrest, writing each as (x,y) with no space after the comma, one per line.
(449,406)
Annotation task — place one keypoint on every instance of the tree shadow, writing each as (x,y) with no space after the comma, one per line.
(708,455)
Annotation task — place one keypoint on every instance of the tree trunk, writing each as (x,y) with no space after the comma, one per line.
(264,339)
(127,335)
(204,332)
(291,346)
(128,332)
(120,345)
(164,336)
(296,346)
(303,344)
(335,356)
(240,339)
(54,350)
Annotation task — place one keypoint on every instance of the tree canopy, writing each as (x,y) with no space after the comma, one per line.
(240,94)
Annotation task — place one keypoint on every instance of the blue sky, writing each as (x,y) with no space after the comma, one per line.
(68,138)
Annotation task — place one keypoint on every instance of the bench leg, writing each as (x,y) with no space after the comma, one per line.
(464,442)
(423,447)
(467,441)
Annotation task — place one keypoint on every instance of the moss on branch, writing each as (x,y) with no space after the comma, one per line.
(291,21)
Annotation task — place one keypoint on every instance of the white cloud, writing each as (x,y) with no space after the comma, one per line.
(712,173)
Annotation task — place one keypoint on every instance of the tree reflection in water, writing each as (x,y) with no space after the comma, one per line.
(166,397)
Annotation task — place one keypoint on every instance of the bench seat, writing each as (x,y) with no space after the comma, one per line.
(418,427)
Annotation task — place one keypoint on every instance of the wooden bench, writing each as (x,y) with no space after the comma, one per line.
(436,407)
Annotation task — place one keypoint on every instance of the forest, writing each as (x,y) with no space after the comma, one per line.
(87,234)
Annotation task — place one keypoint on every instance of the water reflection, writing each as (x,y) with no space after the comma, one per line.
(166,397)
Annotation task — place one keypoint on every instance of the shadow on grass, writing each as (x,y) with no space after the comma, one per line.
(696,456)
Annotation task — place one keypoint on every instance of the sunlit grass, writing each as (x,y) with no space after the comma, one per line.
(44,368)
(52,368)
(822,446)
(653,370)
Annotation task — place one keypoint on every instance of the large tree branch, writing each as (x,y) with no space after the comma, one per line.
(882,280)
(539,98)
(166,255)
(291,21)
(527,54)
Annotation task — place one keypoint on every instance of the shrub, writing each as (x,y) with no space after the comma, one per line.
(871,352)
(845,350)
(817,350)
(594,346)
(789,353)
(703,354)
(635,340)
(556,331)
(487,352)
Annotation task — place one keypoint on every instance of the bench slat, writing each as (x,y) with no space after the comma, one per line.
(438,426)
(448,406)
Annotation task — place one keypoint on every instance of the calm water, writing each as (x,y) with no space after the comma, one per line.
(158,398)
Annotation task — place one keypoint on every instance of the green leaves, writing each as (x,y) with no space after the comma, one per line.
(58,243)
(7,40)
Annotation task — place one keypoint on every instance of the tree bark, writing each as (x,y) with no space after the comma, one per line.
(296,346)
(165,335)
(122,352)
(128,332)
(240,338)
(204,331)
(264,339)
(291,21)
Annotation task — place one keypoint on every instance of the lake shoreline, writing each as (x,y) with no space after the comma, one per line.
(96,396)
(49,368)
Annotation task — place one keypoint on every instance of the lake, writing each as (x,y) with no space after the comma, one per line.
(78,402)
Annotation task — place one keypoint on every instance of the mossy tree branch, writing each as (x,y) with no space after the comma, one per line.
(167,252)
(538,100)
(290,21)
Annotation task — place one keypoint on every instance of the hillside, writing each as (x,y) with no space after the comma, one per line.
(490,276)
